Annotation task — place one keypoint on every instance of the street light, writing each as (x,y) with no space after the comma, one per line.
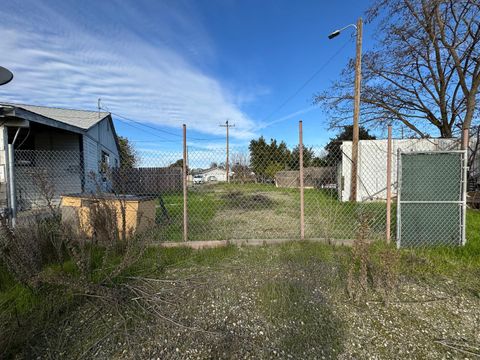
(356,105)
(337,32)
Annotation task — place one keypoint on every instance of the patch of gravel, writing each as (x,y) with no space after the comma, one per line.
(416,323)
(217,313)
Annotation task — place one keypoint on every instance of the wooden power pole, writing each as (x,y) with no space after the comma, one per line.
(356,112)
(227,166)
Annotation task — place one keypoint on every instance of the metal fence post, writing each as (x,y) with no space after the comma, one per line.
(464,192)
(302,204)
(185,192)
(11,185)
(399,192)
(465,146)
(389,182)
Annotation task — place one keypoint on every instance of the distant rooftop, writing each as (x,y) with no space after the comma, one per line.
(83,119)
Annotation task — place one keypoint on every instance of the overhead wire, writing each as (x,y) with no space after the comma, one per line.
(278,108)
(158,129)
(146,131)
(308,81)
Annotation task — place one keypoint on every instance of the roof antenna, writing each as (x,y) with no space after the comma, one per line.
(99,106)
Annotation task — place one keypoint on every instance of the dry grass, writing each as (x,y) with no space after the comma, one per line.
(286,301)
(253,211)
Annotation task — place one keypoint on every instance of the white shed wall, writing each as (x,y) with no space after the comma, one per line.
(372,164)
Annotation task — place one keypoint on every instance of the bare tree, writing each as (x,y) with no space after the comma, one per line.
(423,73)
(241,171)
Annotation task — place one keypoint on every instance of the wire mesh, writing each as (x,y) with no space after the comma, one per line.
(432,200)
(259,198)
(43,176)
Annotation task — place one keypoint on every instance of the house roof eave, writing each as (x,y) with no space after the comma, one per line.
(27,115)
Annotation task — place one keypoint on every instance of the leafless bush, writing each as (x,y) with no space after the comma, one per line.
(373,265)
(116,248)
(20,253)
(103,222)
(357,282)
(241,170)
(101,249)
(46,188)
(386,272)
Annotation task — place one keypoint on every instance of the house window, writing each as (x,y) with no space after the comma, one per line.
(105,162)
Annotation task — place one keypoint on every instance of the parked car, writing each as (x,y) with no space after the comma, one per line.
(198,179)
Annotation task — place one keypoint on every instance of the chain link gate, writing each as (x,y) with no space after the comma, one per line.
(431,203)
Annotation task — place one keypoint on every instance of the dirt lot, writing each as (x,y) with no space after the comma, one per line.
(260,211)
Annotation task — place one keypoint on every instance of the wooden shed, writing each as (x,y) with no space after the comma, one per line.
(134,214)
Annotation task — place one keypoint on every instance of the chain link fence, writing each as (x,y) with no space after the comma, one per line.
(43,176)
(257,196)
(432,198)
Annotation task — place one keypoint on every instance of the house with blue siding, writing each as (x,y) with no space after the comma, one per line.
(67,147)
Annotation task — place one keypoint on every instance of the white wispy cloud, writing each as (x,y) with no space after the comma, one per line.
(142,64)
(290,116)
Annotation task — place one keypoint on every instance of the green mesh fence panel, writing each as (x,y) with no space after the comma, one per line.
(431,202)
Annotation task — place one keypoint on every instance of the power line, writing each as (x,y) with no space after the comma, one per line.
(325,64)
(148,132)
(285,102)
(158,129)
(146,125)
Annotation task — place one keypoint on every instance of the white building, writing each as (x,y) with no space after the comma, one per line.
(372,164)
(215,174)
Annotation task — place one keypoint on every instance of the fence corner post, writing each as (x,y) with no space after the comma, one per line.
(11,185)
(389,183)
(185,192)
(302,200)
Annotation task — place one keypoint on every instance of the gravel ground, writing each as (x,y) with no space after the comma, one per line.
(269,303)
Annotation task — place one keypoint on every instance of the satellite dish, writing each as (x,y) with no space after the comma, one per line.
(5,76)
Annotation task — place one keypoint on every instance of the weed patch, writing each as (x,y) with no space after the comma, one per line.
(313,328)
(247,202)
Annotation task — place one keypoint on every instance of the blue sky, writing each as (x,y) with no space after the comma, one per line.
(164,63)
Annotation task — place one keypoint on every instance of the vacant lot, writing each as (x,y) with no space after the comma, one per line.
(262,211)
(300,300)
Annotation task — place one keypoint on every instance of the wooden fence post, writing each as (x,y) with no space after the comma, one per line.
(302,200)
(185,192)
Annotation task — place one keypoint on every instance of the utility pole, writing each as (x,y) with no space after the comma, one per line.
(356,112)
(227,166)
(356,105)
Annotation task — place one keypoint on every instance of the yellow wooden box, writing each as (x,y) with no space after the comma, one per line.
(139,211)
